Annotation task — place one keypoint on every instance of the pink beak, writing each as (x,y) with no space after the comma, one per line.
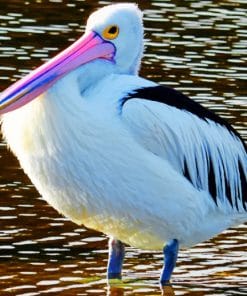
(89,47)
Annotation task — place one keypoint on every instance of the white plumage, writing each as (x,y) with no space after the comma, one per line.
(142,171)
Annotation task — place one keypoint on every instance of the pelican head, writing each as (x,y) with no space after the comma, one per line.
(113,35)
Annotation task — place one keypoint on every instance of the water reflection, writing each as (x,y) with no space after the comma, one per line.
(199,47)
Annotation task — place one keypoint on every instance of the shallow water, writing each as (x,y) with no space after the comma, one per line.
(199,47)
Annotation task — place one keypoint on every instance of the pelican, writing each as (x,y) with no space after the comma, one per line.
(120,154)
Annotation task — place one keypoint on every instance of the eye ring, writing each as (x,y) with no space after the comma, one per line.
(111,32)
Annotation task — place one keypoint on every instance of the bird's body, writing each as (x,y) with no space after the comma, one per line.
(90,165)
(103,150)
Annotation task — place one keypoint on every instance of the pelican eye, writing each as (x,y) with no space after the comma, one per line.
(111,32)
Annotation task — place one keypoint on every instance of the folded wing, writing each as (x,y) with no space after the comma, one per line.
(197,143)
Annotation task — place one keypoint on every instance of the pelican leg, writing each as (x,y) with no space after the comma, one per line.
(170,257)
(115,259)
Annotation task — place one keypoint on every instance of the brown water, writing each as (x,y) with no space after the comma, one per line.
(199,47)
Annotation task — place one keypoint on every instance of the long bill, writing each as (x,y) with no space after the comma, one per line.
(89,47)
